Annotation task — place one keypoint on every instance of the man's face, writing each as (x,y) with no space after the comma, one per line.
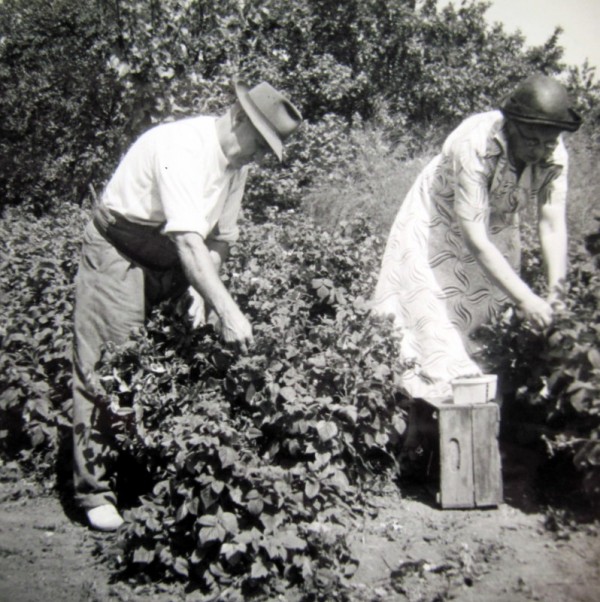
(249,144)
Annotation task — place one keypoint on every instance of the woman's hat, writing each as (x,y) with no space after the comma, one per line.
(541,100)
(270,112)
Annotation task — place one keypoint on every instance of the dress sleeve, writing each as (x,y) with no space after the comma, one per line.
(471,197)
(180,182)
(227,229)
(553,188)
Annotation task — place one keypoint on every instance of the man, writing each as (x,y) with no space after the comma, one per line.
(164,223)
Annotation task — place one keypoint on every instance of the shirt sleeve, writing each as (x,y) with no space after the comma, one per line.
(180,182)
(471,197)
(227,229)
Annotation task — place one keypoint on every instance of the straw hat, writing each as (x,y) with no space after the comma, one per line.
(270,112)
(541,100)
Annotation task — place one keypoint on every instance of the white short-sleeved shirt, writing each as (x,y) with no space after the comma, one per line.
(176,176)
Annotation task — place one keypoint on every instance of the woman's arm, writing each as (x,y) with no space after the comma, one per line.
(471,205)
(499,271)
(552,226)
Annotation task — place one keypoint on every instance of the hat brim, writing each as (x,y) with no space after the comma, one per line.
(571,125)
(257,119)
(569,121)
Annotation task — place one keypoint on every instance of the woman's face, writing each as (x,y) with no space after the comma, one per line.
(531,144)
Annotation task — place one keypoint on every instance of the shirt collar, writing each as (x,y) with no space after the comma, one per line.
(498,145)
(222,163)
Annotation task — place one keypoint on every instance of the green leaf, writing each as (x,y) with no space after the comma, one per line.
(575,386)
(272,521)
(230,522)
(233,550)
(217,486)
(250,392)
(288,393)
(326,430)
(399,424)
(311,489)
(293,447)
(181,566)
(577,400)
(594,358)
(340,480)
(208,520)
(182,512)
(255,507)
(349,412)
(259,570)
(291,541)
(143,556)
(214,533)
(227,456)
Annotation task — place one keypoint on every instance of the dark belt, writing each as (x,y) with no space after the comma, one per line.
(144,245)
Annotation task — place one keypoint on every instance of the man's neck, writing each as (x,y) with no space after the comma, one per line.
(225,137)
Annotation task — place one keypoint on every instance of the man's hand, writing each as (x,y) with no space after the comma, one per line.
(236,329)
(197,309)
(202,274)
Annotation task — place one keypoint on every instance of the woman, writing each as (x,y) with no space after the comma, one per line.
(453,254)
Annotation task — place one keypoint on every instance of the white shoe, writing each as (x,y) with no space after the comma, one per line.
(104,518)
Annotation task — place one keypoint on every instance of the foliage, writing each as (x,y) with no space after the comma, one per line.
(257,460)
(555,376)
(254,461)
(58,118)
(37,269)
(80,80)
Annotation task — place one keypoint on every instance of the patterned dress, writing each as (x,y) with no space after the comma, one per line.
(429,281)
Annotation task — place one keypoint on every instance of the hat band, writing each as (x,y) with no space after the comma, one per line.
(566,119)
(570,125)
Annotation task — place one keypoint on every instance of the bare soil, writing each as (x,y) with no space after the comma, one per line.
(408,550)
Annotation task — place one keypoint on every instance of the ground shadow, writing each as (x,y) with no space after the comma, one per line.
(533,482)
(131,479)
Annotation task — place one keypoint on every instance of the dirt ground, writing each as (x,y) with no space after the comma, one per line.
(409,550)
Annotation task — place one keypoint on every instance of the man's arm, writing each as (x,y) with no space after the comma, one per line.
(198,263)
(193,302)
(219,252)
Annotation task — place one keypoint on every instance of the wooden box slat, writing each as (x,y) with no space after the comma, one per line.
(486,455)
(463,459)
(456,459)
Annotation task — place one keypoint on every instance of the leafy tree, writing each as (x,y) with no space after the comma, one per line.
(57,100)
(80,80)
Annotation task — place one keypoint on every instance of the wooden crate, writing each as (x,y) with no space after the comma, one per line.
(460,452)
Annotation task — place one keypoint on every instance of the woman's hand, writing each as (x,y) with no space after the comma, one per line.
(537,311)
(556,301)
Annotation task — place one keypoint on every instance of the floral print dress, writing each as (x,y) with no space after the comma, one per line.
(429,281)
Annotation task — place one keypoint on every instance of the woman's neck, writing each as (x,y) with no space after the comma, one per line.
(518,164)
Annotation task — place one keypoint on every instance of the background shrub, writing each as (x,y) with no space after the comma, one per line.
(95,75)
(38,260)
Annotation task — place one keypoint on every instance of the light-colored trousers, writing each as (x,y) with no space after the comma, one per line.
(112,297)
